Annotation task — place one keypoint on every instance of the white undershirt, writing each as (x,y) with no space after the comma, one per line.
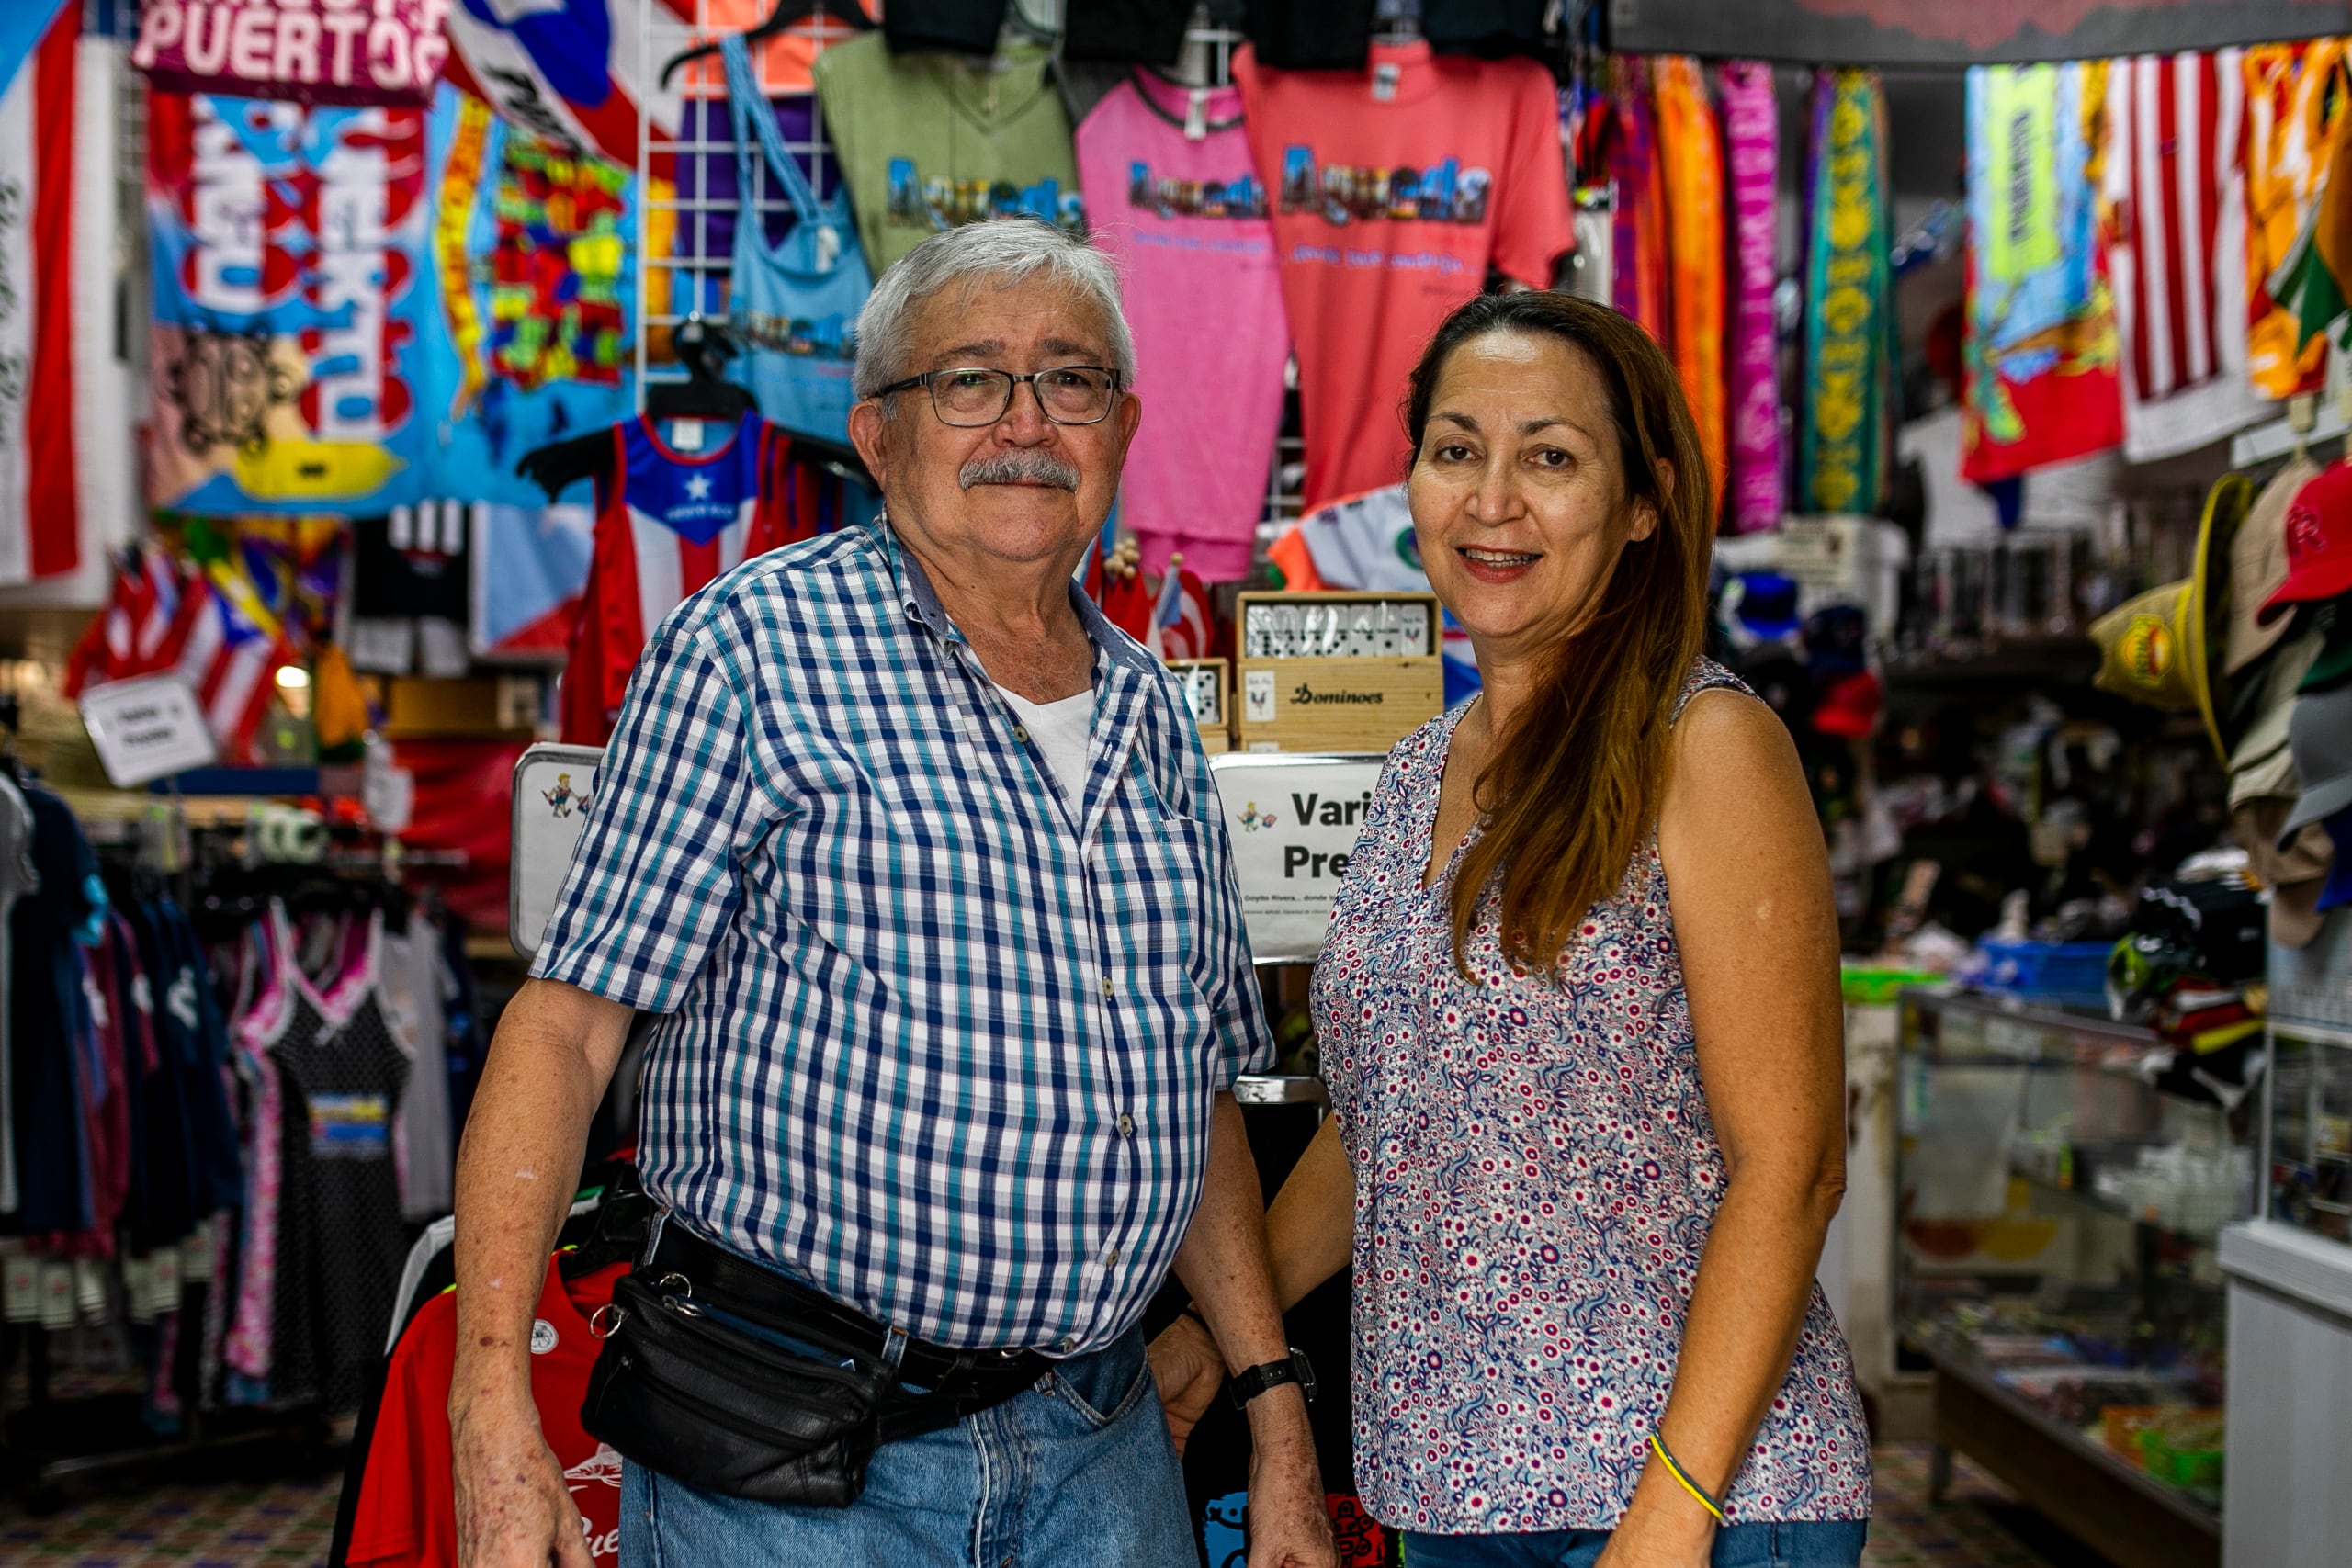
(1061,730)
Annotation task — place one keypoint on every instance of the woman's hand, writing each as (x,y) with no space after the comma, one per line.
(1663,1527)
(1188,1370)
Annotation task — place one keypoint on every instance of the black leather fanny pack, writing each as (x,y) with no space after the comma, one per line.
(725,1375)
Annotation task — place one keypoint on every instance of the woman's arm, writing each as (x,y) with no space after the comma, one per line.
(1757,924)
(1309,1232)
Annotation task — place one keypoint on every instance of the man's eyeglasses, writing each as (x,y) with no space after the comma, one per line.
(1066,394)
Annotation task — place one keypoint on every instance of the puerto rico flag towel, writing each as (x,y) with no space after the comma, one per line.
(2176,198)
(39,517)
(567,70)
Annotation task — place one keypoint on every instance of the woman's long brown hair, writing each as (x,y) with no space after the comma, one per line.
(1574,787)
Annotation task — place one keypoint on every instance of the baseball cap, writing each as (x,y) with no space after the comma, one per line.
(2337,891)
(2258,552)
(1836,639)
(2331,661)
(1765,607)
(2143,648)
(2206,613)
(2293,875)
(2319,544)
(2320,737)
(2261,764)
(1849,706)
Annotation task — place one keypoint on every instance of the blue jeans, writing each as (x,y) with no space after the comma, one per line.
(1834,1543)
(1075,1471)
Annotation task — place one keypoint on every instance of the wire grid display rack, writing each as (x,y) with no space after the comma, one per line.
(688,131)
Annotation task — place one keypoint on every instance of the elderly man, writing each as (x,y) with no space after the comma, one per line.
(919,861)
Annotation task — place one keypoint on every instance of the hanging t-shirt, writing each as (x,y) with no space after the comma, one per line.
(407,1513)
(2175,185)
(17,879)
(408,590)
(1394,193)
(1187,221)
(668,520)
(929,141)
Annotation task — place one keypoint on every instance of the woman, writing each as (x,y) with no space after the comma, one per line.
(1586,1141)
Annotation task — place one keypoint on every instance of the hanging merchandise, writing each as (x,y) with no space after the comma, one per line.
(2174,185)
(1637,219)
(39,510)
(408,599)
(2295,100)
(1167,178)
(292,289)
(670,517)
(794,306)
(209,624)
(2041,357)
(1150,32)
(1691,156)
(929,141)
(1751,134)
(568,71)
(1397,190)
(387,54)
(1489,27)
(1849,370)
(957,26)
(1309,35)
(2315,280)
(532,340)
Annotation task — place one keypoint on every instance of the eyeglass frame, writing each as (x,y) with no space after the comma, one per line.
(1011,390)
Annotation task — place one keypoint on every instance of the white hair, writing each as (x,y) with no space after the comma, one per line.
(1005,250)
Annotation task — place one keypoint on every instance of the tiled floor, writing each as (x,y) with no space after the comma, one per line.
(242,1523)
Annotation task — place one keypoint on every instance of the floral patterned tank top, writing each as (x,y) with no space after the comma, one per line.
(1535,1174)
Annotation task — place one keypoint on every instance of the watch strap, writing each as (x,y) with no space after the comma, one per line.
(1249,1383)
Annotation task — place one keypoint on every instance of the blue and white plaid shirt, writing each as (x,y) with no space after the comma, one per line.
(938,1042)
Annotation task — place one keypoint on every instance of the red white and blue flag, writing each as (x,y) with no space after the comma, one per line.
(39,510)
(1181,624)
(570,71)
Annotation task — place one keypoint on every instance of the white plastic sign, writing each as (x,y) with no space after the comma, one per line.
(147,729)
(553,786)
(1293,821)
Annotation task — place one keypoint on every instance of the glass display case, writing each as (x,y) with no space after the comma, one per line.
(2309,1138)
(2055,1262)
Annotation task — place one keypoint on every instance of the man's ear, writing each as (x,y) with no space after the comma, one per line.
(867,434)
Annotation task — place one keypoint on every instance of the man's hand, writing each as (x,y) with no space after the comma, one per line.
(1188,1371)
(1288,1526)
(513,1509)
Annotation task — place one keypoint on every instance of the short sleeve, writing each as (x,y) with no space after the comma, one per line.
(653,883)
(1534,224)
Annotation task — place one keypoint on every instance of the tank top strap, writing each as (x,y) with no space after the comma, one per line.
(1706,675)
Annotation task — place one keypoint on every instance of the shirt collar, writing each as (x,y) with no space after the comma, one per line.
(922,605)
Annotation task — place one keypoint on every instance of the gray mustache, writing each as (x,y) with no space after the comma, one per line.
(1018,467)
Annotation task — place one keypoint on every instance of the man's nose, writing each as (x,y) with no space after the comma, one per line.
(1024,423)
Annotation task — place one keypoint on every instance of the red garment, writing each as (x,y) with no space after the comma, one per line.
(464,803)
(667,523)
(1394,193)
(407,1513)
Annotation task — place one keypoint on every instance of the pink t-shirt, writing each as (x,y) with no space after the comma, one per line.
(1186,220)
(1394,190)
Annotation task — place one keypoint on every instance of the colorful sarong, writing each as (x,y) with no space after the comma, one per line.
(1849,369)
(2295,98)
(1751,131)
(1691,161)
(2040,352)
(1637,242)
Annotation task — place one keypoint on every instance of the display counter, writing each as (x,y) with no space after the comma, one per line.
(2289,1272)
(2056,1217)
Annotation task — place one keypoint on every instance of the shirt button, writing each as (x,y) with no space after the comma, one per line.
(1126,1126)
(1066,1344)
(1111,1259)
(1106,984)
(1020,732)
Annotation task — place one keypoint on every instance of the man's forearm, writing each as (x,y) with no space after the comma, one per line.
(554,1053)
(1223,1263)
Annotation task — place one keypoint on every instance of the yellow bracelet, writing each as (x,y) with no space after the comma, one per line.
(1689,1485)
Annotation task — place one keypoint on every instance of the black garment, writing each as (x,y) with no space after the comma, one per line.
(48,1020)
(339,1235)
(1136,32)
(1493,29)
(165,1212)
(215,1161)
(1310,35)
(962,26)
(409,590)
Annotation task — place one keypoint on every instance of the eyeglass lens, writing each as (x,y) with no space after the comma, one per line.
(1072,394)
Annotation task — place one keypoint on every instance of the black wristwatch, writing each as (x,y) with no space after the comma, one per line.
(1247,1385)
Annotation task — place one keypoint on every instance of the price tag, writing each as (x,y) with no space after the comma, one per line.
(56,1295)
(147,729)
(19,1288)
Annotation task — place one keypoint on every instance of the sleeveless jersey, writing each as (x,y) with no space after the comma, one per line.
(667,523)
